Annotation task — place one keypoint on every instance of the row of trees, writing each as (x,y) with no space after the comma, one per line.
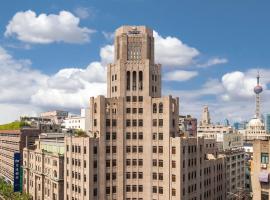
(6,191)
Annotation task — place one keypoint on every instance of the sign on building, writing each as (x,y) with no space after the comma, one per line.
(17,168)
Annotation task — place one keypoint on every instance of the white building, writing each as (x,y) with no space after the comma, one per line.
(79,122)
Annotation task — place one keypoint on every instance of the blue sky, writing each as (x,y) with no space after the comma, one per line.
(224,43)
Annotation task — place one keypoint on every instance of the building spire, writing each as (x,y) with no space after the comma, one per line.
(257,90)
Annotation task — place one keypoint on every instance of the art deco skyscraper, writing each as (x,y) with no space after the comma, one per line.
(134,122)
(134,150)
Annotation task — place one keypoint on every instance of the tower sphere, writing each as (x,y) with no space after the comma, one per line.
(258,89)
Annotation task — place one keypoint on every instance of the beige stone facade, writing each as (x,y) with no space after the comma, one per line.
(260,170)
(43,173)
(139,152)
(81,168)
(12,141)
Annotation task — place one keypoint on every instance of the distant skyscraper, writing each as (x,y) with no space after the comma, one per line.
(256,128)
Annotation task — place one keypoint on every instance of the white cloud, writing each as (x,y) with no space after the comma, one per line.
(108,35)
(28,91)
(230,97)
(170,51)
(107,54)
(180,75)
(32,28)
(82,12)
(213,61)
(239,85)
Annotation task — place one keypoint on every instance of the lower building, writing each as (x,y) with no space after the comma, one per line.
(235,172)
(260,170)
(12,142)
(81,168)
(43,163)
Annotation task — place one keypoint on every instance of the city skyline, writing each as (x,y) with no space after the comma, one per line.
(45,65)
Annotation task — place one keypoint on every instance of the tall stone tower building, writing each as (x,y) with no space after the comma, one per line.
(134,150)
(134,122)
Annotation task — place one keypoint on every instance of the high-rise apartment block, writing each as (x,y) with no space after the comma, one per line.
(134,150)
(43,168)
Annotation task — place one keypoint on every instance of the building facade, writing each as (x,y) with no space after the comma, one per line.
(230,144)
(79,122)
(43,166)
(56,116)
(11,142)
(81,168)
(134,150)
(260,170)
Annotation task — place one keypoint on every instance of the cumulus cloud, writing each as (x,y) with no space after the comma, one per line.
(239,85)
(230,97)
(107,54)
(213,61)
(171,52)
(180,75)
(32,28)
(28,91)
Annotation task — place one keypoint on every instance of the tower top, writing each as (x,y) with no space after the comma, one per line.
(133,30)
(258,88)
(206,120)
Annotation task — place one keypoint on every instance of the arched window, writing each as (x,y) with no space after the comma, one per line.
(128,80)
(95,108)
(140,80)
(160,108)
(154,108)
(134,80)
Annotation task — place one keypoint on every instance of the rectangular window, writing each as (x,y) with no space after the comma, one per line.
(140,122)
(134,122)
(128,98)
(154,149)
(154,122)
(128,135)
(160,149)
(140,136)
(160,122)
(134,110)
(140,110)
(140,98)
(134,135)
(264,158)
(114,122)
(114,135)
(128,122)
(108,135)
(160,136)
(128,149)
(173,150)
(108,122)
(128,110)
(134,98)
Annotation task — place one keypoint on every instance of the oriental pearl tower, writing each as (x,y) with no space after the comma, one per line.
(258,90)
